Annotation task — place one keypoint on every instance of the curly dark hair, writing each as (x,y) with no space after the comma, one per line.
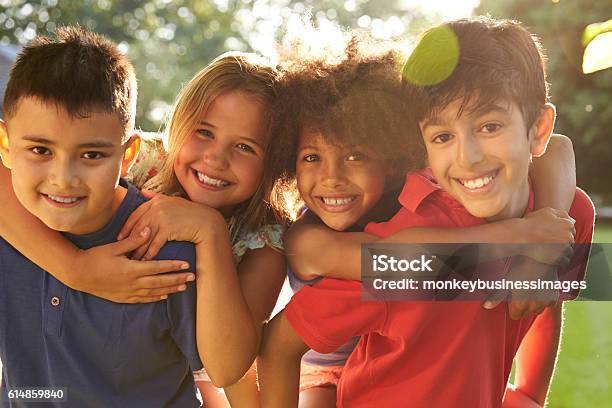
(356,100)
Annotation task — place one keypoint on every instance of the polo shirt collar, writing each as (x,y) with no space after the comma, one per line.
(419,185)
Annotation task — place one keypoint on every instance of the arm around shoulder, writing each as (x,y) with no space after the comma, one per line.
(314,250)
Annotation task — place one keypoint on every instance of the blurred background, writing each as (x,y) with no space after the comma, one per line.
(169,41)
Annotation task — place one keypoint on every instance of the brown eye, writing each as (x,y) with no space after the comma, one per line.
(40,150)
(491,127)
(442,138)
(93,155)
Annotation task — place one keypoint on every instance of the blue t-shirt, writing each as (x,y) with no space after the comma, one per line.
(104,354)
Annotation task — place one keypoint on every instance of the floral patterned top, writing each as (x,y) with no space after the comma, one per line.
(148,163)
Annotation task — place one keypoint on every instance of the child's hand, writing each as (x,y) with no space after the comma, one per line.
(514,398)
(171,219)
(112,276)
(549,225)
(522,303)
(551,234)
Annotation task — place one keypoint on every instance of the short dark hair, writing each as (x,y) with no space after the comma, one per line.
(77,70)
(496,59)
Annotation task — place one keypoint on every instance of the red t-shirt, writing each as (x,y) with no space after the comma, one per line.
(420,354)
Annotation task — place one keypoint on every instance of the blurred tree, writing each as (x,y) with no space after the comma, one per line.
(583,100)
(170,40)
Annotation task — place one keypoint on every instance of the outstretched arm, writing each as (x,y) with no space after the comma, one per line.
(559,165)
(224,322)
(537,355)
(278,364)
(261,274)
(110,274)
(315,250)
(235,306)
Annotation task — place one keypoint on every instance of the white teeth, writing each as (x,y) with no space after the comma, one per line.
(337,201)
(477,183)
(211,181)
(63,200)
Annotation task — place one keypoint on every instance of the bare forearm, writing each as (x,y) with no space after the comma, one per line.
(535,362)
(227,341)
(45,247)
(553,175)
(495,232)
(244,393)
(278,364)
(319,251)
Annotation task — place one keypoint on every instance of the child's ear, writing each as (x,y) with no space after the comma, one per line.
(131,154)
(541,130)
(4,145)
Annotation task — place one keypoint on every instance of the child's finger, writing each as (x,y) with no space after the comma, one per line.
(141,250)
(159,240)
(145,299)
(164,281)
(517,309)
(139,253)
(495,298)
(133,220)
(130,243)
(157,292)
(148,193)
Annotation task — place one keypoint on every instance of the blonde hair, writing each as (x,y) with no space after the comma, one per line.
(245,72)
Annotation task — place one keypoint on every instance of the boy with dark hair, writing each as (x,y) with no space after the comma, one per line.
(482,118)
(70,107)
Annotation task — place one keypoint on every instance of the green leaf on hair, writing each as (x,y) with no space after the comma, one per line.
(434,58)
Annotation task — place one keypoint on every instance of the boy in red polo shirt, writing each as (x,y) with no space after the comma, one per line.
(480,126)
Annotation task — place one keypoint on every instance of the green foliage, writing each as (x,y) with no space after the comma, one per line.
(582,376)
(170,40)
(583,101)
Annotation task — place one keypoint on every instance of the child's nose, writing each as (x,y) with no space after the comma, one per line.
(215,157)
(64,175)
(332,174)
(469,151)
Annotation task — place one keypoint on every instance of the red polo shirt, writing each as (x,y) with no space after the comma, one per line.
(420,354)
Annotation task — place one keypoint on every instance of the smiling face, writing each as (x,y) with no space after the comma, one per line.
(482,158)
(339,184)
(222,161)
(65,170)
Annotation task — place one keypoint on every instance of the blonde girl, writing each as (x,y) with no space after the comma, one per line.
(217,180)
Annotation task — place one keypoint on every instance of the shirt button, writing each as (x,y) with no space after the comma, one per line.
(55,301)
